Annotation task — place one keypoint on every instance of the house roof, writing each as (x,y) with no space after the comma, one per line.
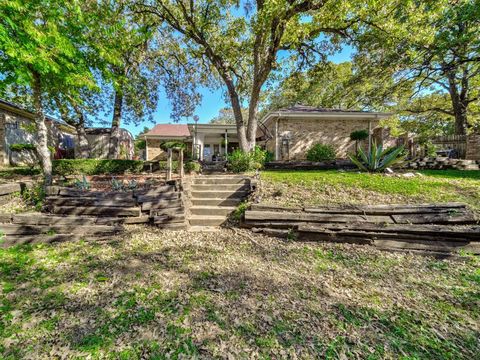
(169,130)
(310,112)
(19,110)
(310,109)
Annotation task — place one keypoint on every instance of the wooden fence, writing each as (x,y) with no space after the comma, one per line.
(455,142)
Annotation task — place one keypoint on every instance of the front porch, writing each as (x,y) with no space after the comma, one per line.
(213,142)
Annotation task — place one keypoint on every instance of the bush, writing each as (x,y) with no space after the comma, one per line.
(239,161)
(21,147)
(321,152)
(95,166)
(269,156)
(34,196)
(192,166)
(359,135)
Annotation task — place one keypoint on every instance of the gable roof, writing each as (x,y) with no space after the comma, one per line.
(169,130)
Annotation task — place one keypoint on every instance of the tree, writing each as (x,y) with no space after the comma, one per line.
(432,46)
(226,116)
(41,40)
(240,46)
(330,85)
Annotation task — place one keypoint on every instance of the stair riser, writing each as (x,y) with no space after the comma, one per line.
(216,202)
(219,211)
(207,222)
(218,194)
(200,181)
(219,187)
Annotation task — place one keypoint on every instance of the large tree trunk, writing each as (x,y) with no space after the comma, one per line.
(459,104)
(114,148)
(252,114)
(237,112)
(42,132)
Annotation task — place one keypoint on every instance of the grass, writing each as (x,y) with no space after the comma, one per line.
(154,294)
(295,188)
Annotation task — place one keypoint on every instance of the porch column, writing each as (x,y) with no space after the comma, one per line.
(180,163)
(276,140)
(169,164)
(226,143)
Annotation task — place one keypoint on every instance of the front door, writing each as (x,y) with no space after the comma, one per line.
(207,152)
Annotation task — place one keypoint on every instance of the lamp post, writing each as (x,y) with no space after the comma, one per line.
(196,153)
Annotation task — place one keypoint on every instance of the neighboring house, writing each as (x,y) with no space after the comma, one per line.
(17,127)
(289,133)
(99,143)
(206,142)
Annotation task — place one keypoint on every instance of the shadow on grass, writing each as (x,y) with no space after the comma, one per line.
(183,300)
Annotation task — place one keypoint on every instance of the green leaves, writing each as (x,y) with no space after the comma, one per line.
(377,159)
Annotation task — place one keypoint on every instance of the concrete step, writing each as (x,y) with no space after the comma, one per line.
(220,180)
(216,201)
(201,220)
(204,229)
(212,210)
(221,187)
(215,194)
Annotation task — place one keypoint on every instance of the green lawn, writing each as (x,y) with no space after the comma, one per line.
(159,295)
(294,188)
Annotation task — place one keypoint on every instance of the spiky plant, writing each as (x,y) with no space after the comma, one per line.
(377,159)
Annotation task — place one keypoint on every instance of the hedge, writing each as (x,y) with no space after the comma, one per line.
(21,147)
(95,166)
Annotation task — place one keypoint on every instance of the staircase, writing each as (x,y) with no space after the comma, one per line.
(215,197)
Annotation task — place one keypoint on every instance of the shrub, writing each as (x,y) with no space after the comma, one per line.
(95,166)
(21,147)
(377,159)
(269,156)
(359,135)
(239,161)
(321,152)
(34,196)
(192,166)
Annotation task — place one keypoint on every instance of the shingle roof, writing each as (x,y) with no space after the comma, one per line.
(174,130)
(307,109)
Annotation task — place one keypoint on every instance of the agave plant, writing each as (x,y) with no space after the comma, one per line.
(377,159)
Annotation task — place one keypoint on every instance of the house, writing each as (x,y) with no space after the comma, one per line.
(99,143)
(206,142)
(290,132)
(17,127)
(287,133)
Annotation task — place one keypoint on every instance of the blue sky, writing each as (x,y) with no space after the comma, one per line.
(212,102)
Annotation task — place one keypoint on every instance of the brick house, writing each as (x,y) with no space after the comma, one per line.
(287,133)
(206,142)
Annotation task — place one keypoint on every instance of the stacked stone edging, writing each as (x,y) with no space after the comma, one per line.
(441,163)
